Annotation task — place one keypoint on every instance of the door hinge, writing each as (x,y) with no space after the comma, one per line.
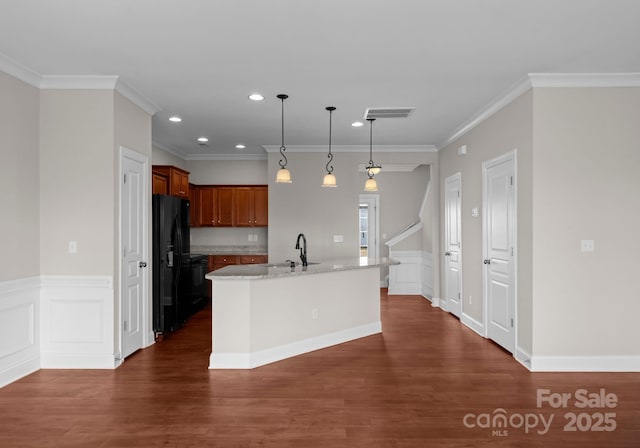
(124,325)
(459,297)
(458,193)
(512,322)
(125,178)
(511,180)
(512,251)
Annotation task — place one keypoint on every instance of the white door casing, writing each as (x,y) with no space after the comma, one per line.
(453,243)
(499,248)
(134,300)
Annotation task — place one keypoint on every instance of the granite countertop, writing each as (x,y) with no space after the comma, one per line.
(279,270)
(229,250)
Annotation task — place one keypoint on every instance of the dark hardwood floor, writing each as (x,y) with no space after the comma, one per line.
(411,386)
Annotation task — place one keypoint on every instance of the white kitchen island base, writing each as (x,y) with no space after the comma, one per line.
(260,317)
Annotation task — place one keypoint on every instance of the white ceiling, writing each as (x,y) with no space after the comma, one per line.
(200,59)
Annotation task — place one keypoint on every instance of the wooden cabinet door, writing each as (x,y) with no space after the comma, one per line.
(224,206)
(159,184)
(260,206)
(184,184)
(207,201)
(243,207)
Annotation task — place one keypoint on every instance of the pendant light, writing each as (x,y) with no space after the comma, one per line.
(372,168)
(330,178)
(284,176)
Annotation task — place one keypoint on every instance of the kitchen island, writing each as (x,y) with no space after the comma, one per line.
(268,312)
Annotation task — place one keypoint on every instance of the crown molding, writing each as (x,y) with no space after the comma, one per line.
(222,157)
(78,82)
(491,108)
(352,148)
(136,97)
(544,80)
(392,167)
(19,71)
(584,79)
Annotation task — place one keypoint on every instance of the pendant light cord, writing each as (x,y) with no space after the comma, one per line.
(283,148)
(370,167)
(330,155)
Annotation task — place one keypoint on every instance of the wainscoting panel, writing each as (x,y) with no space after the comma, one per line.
(19,331)
(427,274)
(406,278)
(77,329)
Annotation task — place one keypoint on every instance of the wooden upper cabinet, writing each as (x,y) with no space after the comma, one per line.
(224,208)
(230,205)
(260,206)
(251,206)
(178,179)
(206,205)
(159,184)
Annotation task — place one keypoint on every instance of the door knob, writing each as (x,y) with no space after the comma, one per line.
(487,261)
(143,264)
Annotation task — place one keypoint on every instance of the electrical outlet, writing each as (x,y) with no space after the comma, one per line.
(469,300)
(73,247)
(338,238)
(314,313)
(587,245)
(250,237)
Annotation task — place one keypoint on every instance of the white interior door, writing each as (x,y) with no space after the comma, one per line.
(134,308)
(499,249)
(453,243)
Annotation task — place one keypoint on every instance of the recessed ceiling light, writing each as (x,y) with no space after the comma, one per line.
(175,119)
(256,97)
(203,139)
(240,146)
(357,124)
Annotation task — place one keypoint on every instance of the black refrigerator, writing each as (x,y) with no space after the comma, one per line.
(170,263)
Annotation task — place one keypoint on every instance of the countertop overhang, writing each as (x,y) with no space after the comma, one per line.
(282,270)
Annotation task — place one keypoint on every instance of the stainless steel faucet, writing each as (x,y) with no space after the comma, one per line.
(303,249)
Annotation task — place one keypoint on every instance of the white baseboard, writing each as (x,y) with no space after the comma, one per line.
(585,363)
(262,357)
(435,302)
(475,325)
(523,357)
(77,322)
(19,329)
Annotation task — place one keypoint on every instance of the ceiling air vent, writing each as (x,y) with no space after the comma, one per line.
(388,112)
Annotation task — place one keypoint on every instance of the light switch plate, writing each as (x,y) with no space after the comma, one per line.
(587,245)
(73,247)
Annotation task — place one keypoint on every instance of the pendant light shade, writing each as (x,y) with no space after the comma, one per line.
(372,168)
(283,176)
(330,178)
(371,185)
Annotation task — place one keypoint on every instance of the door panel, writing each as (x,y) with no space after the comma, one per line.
(133,205)
(499,230)
(453,244)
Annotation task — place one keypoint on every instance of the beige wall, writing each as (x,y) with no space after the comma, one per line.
(586,166)
(227,172)
(508,129)
(162,157)
(77,181)
(320,213)
(19,182)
